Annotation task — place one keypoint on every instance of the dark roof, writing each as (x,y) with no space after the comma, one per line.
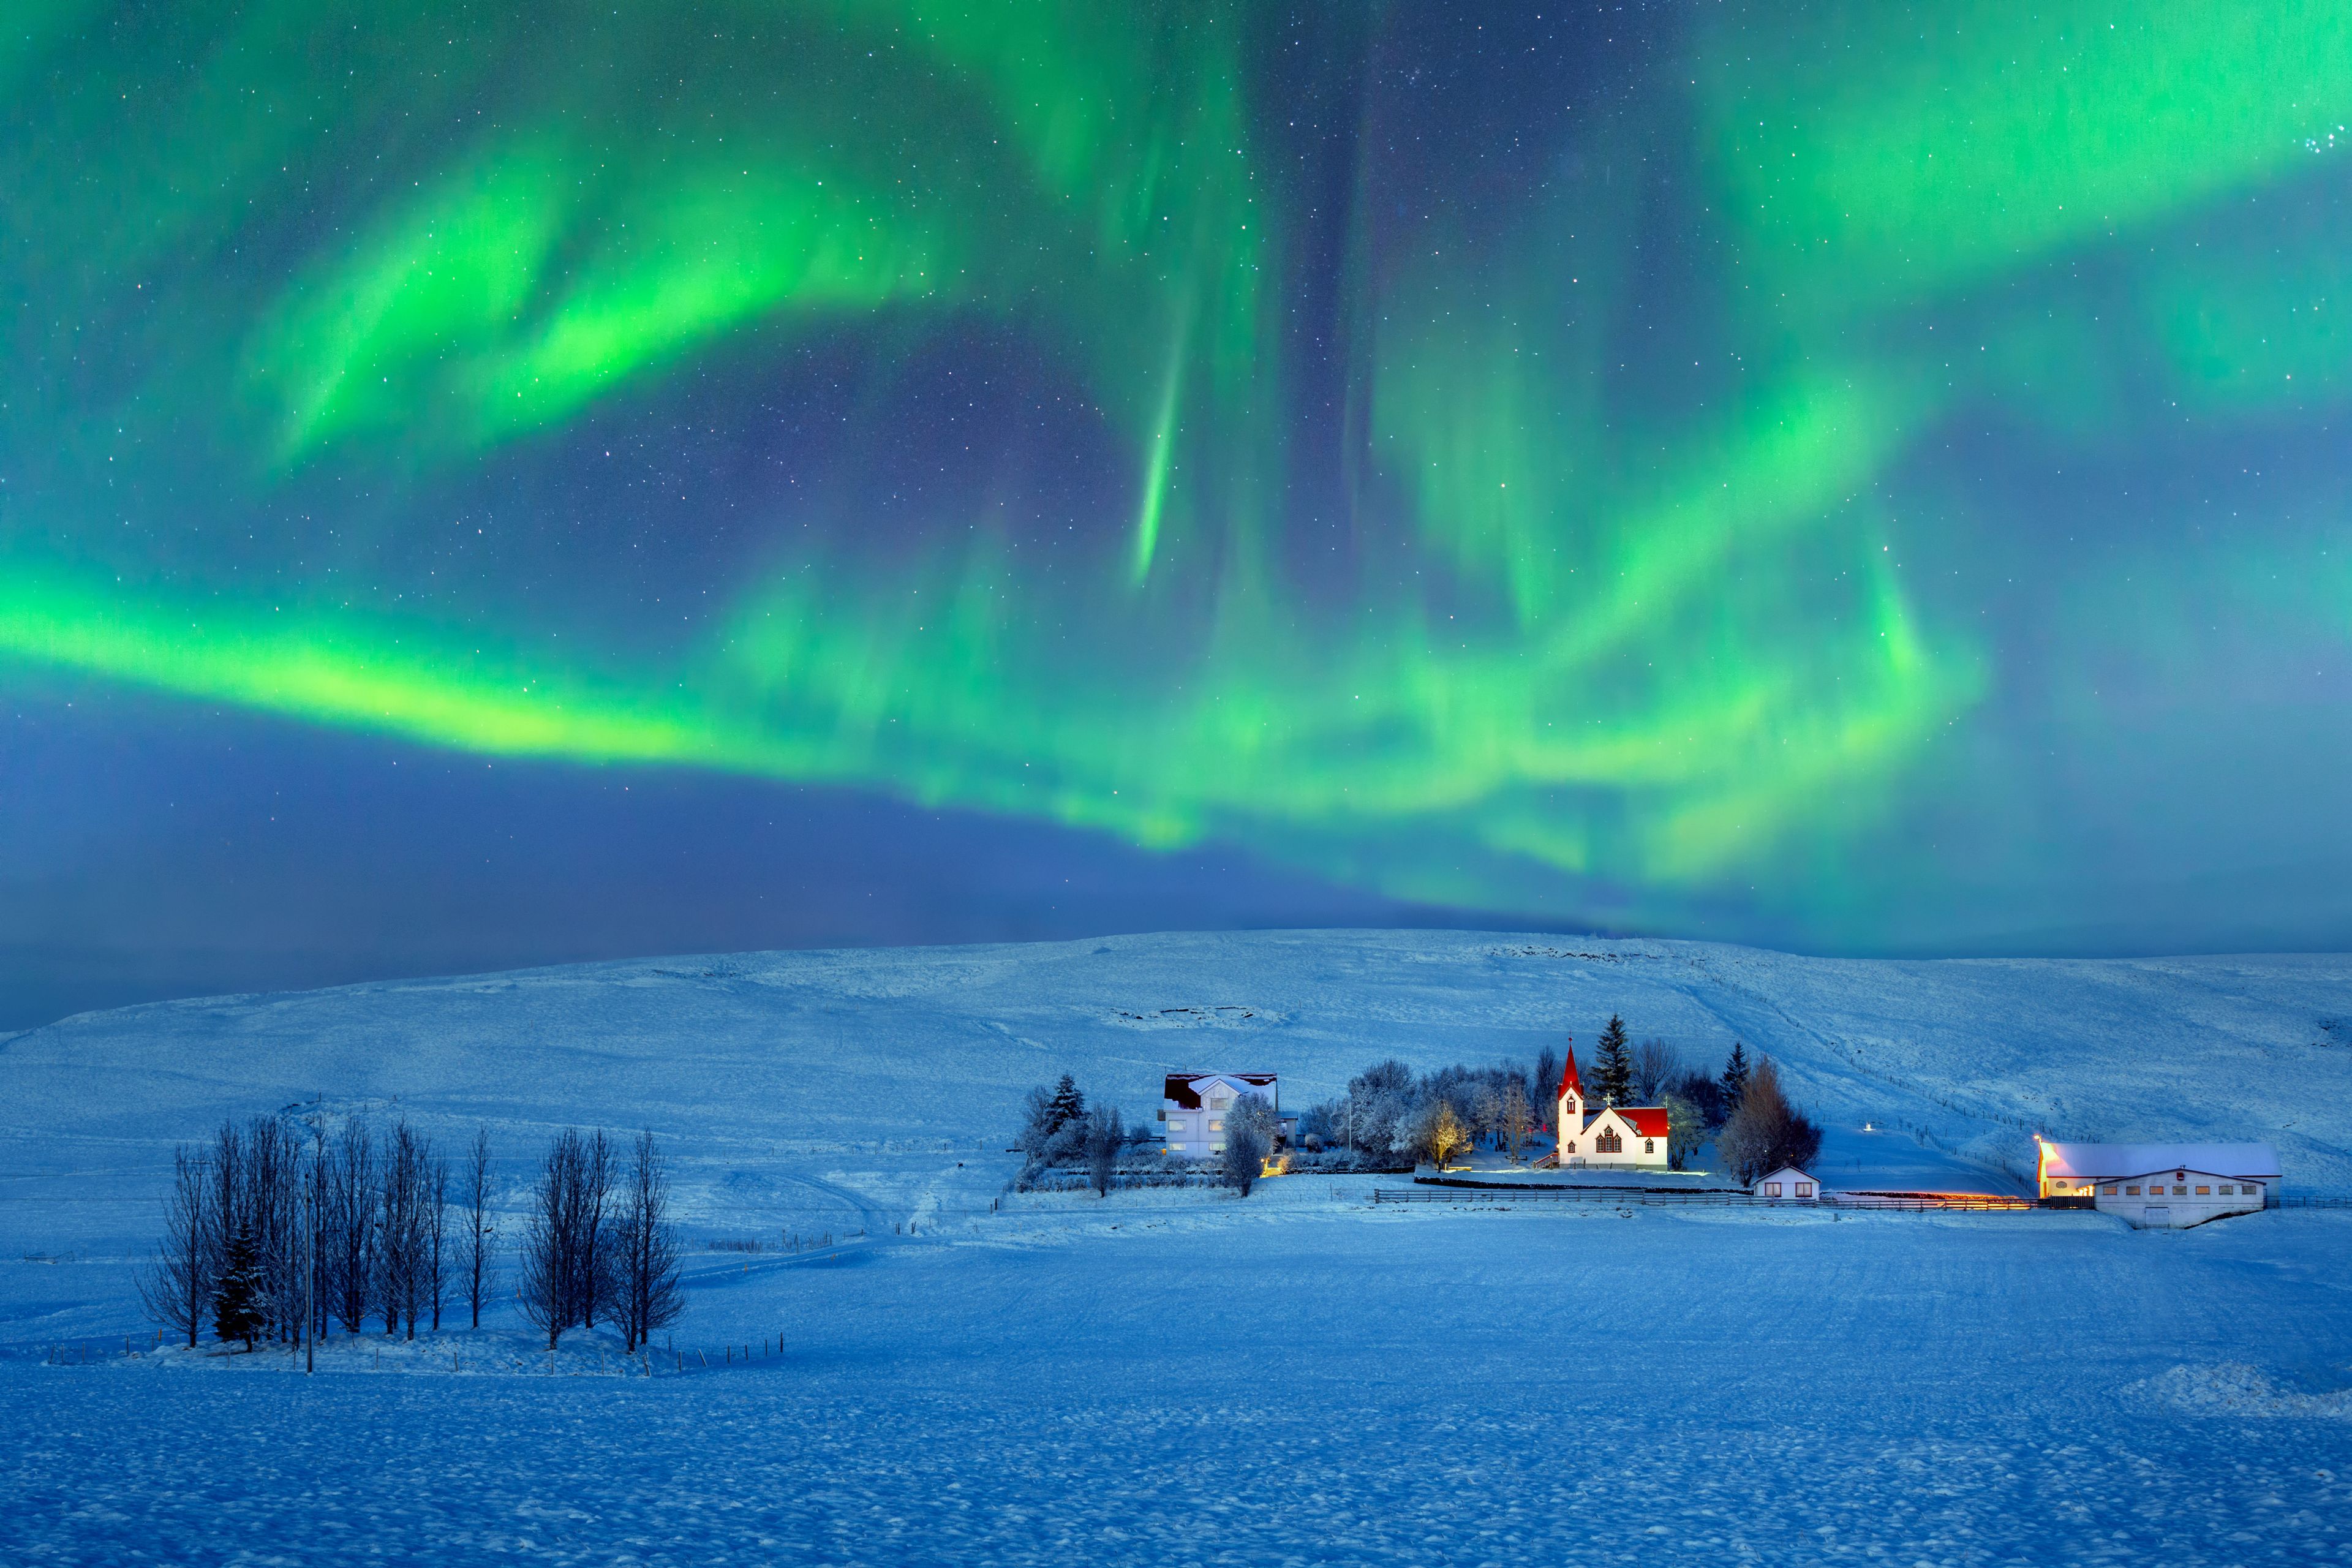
(1179,1085)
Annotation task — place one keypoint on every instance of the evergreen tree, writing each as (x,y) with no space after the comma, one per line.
(1735,1077)
(236,1299)
(1068,1106)
(1613,1066)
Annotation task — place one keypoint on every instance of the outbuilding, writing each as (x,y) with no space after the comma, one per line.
(1788,1184)
(2159,1186)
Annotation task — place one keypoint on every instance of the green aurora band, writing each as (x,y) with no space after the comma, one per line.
(1530,617)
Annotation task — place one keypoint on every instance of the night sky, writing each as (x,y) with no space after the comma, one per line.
(489,484)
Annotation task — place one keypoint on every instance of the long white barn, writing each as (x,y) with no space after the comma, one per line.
(2160,1185)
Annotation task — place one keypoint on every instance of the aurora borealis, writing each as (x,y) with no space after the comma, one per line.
(1855,475)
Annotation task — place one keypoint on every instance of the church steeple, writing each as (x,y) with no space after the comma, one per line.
(1571,1098)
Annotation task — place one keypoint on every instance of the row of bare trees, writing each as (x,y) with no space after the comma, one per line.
(276,1229)
(598,1246)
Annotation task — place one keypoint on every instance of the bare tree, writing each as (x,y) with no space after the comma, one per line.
(437,1234)
(1657,1066)
(1105,1136)
(549,1234)
(475,1258)
(1487,1112)
(568,1239)
(1515,1118)
(649,1294)
(1766,1132)
(269,1209)
(347,1225)
(177,1285)
(596,1281)
(408,1224)
(1250,1129)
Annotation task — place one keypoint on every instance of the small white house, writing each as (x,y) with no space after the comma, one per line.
(1789,1185)
(1193,1108)
(2160,1186)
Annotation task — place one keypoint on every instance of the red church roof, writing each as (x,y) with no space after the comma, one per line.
(1569,1080)
(1648,1121)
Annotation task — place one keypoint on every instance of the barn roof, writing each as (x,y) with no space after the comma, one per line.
(2104,1162)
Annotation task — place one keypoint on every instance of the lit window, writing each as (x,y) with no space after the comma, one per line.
(1805,1189)
(2131,1191)
(1772,1189)
(1216,1127)
(2111,1189)
(2204,1192)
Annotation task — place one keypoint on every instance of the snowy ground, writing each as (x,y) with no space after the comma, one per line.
(1174,1377)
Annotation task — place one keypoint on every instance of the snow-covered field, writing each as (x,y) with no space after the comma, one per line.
(1176,1376)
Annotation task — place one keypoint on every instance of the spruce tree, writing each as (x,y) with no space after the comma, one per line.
(1612,1067)
(236,1299)
(1068,1105)
(1734,1078)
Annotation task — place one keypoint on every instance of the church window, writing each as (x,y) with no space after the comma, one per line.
(1649,1145)
(1608,1143)
(1571,1145)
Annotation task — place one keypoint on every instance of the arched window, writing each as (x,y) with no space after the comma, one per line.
(1608,1143)
(1649,1145)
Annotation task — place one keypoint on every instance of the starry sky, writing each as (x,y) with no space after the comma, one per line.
(483,485)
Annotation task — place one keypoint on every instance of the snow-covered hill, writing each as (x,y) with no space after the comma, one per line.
(1065,1376)
(753,1060)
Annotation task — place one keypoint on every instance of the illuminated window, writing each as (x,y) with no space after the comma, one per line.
(1772,1189)
(1216,1127)
(2111,1189)
(1805,1189)
(2131,1191)
(2204,1192)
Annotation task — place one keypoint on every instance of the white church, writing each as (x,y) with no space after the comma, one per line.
(1624,1136)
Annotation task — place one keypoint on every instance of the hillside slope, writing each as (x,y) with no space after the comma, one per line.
(762,1057)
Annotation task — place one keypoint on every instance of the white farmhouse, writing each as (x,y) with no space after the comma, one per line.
(1788,1184)
(1614,1135)
(1193,1105)
(2160,1186)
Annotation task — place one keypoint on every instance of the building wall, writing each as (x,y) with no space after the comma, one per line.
(2182,1202)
